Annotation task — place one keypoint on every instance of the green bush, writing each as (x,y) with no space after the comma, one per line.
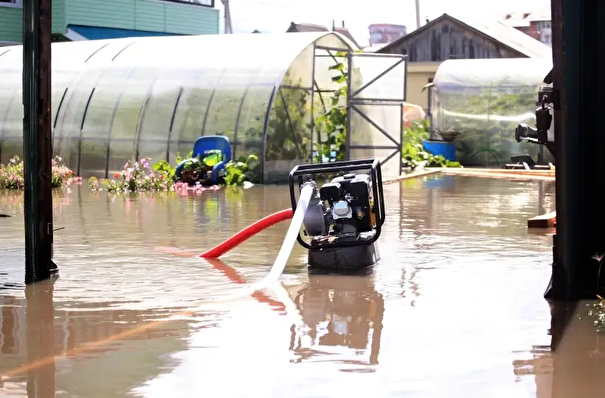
(413,152)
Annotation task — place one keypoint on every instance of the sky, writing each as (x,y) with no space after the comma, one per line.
(272,16)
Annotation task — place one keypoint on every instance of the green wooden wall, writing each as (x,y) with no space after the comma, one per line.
(146,15)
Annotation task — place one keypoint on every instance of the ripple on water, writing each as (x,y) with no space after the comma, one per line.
(455,299)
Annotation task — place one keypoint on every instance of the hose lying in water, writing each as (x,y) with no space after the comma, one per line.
(279,264)
(246,233)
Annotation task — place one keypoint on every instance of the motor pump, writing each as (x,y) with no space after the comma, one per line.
(345,215)
(543,133)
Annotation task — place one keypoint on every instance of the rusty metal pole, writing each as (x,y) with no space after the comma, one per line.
(37,140)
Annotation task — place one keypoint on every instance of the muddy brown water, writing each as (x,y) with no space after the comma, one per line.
(453,309)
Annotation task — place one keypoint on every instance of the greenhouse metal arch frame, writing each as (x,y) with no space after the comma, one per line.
(153,97)
(376,68)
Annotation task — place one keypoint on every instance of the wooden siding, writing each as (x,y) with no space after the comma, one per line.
(145,15)
(449,40)
(11,21)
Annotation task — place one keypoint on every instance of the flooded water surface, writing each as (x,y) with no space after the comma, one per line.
(454,308)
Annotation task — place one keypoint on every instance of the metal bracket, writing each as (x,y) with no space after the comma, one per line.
(549,95)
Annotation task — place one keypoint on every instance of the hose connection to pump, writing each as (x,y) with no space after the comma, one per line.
(307,191)
(286,248)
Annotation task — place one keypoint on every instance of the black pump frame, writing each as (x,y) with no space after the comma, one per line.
(299,172)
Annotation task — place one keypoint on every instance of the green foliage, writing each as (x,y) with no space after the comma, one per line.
(165,168)
(140,176)
(288,131)
(241,170)
(12,177)
(179,158)
(332,123)
(413,151)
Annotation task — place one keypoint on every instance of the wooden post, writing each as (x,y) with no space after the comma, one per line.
(579,61)
(37,140)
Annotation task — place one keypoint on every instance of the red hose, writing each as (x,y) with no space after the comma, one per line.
(247,232)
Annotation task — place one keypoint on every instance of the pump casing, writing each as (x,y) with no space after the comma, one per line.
(345,215)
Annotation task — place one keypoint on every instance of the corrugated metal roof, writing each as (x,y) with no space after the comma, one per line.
(539,14)
(509,36)
(310,27)
(306,27)
(496,29)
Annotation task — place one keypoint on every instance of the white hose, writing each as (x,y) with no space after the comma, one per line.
(282,257)
(290,240)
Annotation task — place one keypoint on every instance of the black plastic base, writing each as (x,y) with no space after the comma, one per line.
(344,258)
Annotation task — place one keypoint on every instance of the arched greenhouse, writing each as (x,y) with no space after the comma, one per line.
(485,99)
(116,100)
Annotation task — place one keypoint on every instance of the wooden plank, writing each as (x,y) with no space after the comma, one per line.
(414,174)
(547,220)
(505,176)
(542,173)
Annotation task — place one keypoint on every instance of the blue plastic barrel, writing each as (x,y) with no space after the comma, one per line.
(445,149)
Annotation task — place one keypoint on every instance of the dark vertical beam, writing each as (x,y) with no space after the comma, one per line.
(579,62)
(37,140)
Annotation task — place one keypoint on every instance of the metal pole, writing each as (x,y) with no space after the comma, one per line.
(350,98)
(37,140)
(312,124)
(417,14)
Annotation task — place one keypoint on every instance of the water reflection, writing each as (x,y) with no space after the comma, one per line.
(27,343)
(579,352)
(40,338)
(453,309)
(79,351)
(339,311)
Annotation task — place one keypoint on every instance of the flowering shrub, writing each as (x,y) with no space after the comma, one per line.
(140,177)
(136,176)
(11,175)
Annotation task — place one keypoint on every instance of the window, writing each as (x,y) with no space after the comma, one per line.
(11,3)
(205,3)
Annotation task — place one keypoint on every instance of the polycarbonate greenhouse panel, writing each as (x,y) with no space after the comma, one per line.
(485,100)
(113,100)
(288,140)
(378,77)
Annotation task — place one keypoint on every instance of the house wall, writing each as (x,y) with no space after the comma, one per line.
(418,76)
(11,24)
(449,40)
(144,15)
(156,16)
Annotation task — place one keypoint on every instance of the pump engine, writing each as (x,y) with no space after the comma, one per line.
(345,215)
(543,133)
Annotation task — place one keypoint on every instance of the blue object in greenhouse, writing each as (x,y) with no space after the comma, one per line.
(204,145)
(436,148)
